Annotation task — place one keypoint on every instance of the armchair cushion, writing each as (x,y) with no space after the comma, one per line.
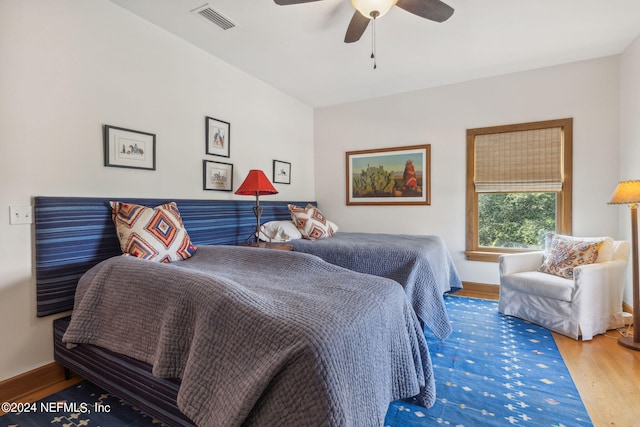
(541,284)
(564,253)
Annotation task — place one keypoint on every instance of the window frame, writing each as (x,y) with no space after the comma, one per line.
(473,250)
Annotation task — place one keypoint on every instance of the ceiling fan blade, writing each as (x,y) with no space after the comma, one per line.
(356,27)
(288,2)
(434,10)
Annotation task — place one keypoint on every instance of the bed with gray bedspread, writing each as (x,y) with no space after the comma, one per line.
(421,264)
(260,337)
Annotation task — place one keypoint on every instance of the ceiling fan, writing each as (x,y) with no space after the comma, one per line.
(367,10)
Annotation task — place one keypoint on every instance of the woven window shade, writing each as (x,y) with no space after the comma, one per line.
(519,161)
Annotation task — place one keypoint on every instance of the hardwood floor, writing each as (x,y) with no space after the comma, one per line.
(606,374)
(43,392)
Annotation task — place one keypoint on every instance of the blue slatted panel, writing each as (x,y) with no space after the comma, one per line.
(75,233)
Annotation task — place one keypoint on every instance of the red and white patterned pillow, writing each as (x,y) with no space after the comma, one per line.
(154,234)
(564,253)
(311,222)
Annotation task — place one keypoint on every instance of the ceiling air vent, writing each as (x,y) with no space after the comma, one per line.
(212,16)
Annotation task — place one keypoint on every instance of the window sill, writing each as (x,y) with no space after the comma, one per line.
(482,256)
(491,256)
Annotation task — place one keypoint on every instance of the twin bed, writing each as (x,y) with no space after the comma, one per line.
(421,264)
(236,335)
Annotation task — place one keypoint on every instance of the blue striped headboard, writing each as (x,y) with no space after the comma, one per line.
(75,233)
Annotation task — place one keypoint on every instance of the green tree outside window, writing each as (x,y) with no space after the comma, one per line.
(515,220)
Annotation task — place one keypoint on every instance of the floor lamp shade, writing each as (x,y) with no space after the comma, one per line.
(628,193)
(256,184)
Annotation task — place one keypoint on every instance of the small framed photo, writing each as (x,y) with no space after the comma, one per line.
(281,172)
(218,137)
(126,148)
(217,176)
(389,176)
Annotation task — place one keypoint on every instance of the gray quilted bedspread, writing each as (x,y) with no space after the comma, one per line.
(260,337)
(421,264)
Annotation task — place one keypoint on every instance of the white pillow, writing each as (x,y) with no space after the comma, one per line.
(279,231)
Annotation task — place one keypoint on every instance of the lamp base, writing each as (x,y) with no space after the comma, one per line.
(629,343)
(252,239)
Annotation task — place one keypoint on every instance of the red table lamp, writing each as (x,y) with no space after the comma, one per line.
(256,184)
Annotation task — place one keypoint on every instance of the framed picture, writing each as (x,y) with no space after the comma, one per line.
(218,137)
(281,172)
(217,176)
(126,148)
(389,176)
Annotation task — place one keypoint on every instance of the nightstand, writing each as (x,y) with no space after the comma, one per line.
(266,245)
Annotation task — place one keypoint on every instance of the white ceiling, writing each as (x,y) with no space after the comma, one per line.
(299,49)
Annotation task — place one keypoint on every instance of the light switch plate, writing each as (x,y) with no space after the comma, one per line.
(20,215)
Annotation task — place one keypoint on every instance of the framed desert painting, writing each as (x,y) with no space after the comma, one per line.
(389,176)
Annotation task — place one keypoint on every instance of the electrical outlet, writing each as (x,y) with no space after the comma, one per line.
(20,215)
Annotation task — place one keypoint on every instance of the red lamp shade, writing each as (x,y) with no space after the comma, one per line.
(256,183)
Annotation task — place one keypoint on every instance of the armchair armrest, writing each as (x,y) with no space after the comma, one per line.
(611,275)
(517,263)
(597,297)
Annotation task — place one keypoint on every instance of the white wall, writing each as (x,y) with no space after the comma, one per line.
(587,91)
(68,67)
(629,131)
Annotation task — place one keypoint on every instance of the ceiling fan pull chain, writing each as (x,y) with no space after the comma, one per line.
(373,44)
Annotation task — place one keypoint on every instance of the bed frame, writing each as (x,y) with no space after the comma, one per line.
(75,233)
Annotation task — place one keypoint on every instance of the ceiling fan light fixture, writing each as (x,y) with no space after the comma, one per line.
(373,8)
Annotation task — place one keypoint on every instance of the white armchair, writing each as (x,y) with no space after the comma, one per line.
(588,305)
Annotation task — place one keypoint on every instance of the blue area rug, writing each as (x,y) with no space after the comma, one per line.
(492,371)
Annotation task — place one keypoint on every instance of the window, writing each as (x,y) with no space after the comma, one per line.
(518,186)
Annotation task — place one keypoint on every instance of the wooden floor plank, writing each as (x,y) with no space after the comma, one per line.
(43,392)
(600,371)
